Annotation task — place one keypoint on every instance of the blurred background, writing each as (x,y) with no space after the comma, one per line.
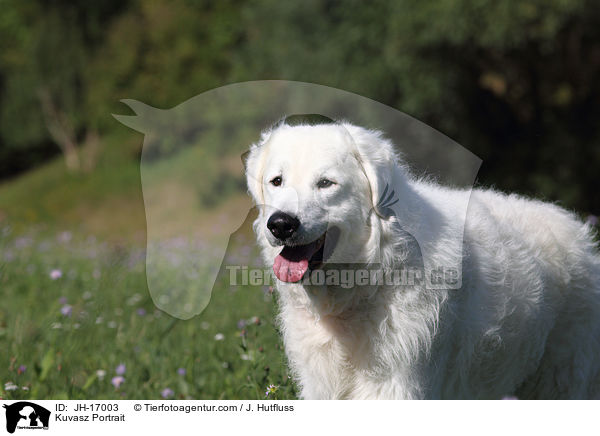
(516,83)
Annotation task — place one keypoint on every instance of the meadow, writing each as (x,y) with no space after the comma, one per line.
(77,320)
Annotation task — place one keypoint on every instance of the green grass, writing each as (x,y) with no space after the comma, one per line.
(99,314)
(58,335)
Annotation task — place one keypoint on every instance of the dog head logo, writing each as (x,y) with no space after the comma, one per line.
(26,415)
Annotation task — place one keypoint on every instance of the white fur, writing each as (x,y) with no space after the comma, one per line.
(525,322)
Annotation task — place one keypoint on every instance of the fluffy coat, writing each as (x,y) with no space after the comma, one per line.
(525,320)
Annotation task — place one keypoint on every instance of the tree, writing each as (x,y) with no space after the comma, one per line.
(514,82)
(46,75)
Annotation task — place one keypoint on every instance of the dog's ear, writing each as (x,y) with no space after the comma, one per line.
(253,161)
(379,161)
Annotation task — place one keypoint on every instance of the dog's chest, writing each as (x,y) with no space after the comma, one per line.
(322,353)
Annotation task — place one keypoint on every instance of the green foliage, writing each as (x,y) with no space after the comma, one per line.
(515,82)
(163,53)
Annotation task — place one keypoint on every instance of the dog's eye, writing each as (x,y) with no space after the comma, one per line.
(276,181)
(324,183)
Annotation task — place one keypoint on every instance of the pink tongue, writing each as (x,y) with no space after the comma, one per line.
(291,264)
(289,271)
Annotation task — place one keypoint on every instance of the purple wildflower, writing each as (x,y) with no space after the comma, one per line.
(66,310)
(241,324)
(271,389)
(21,369)
(120,370)
(117,381)
(65,237)
(181,371)
(167,393)
(22,242)
(55,274)
(141,311)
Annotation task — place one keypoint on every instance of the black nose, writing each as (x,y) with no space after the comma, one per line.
(282,225)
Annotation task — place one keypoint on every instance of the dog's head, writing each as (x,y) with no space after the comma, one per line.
(318,185)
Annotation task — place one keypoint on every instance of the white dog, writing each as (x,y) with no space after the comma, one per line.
(523,320)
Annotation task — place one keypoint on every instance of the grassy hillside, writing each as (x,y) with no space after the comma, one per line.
(106,202)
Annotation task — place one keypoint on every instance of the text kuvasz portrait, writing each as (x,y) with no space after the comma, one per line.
(524,321)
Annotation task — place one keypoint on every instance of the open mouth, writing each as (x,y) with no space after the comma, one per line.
(292,262)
